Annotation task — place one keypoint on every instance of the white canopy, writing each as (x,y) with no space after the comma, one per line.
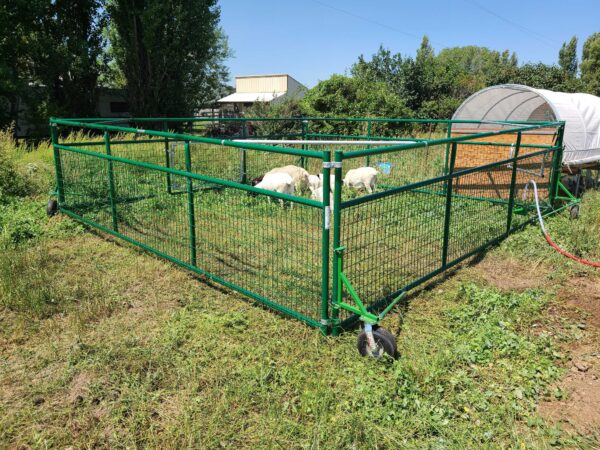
(514,102)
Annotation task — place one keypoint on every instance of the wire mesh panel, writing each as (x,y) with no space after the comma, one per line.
(189,199)
(392,241)
(269,247)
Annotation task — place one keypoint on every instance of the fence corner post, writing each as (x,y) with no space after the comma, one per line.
(337,200)
(513,184)
(325,256)
(556,165)
(57,163)
(111,183)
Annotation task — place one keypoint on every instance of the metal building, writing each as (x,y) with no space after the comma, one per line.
(261,88)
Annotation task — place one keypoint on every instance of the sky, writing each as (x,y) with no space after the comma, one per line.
(313,39)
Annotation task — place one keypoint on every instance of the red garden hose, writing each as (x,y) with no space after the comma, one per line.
(546,235)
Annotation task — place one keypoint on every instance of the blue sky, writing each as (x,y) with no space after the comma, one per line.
(312,39)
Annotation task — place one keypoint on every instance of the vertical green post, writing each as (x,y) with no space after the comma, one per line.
(243,157)
(556,165)
(447,157)
(368,158)
(448,204)
(57,164)
(304,133)
(167,160)
(513,182)
(191,211)
(325,244)
(337,200)
(111,184)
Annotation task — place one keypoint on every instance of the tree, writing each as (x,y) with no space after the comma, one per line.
(590,64)
(18,23)
(49,53)
(342,96)
(66,54)
(567,57)
(170,52)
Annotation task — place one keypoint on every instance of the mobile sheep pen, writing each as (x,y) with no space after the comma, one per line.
(168,187)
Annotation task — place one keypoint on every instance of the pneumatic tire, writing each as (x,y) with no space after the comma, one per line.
(51,207)
(385,343)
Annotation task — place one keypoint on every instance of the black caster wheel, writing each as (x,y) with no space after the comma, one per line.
(52,207)
(385,343)
(574,211)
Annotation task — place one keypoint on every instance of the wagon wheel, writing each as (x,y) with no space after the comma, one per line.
(51,207)
(385,343)
(574,211)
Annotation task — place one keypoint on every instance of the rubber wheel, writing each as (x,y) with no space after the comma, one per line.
(52,207)
(574,211)
(385,344)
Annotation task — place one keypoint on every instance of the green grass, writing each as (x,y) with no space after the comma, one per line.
(102,345)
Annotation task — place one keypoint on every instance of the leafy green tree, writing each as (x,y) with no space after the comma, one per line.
(543,76)
(19,22)
(65,56)
(590,64)
(342,96)
(567,57)
(48,59)
(170,52)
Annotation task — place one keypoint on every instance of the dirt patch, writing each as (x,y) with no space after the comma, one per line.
(79,388)
(580,410)
(584,294)
(510,275)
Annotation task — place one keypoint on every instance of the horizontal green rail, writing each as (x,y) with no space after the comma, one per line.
(195,176)
(393,148)
(423,183)
(195,269)
(192,138)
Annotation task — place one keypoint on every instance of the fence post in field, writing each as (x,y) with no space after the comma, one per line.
(368,158)
(513,183)
(111,184)
(447,157)
(243,162)
(167,161)
(57,164)
(304,147)
(556,164)
(327,216)
(337,200)
(448,204)
(191,211)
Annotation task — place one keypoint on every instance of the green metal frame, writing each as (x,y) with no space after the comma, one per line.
(336,284)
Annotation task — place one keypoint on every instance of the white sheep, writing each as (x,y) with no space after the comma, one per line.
(317,195)
(331,180)
(298,174)
(314,182)
(361,178)
(278,182)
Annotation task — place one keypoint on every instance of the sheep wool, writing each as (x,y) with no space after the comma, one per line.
(298,174)
(361,178)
